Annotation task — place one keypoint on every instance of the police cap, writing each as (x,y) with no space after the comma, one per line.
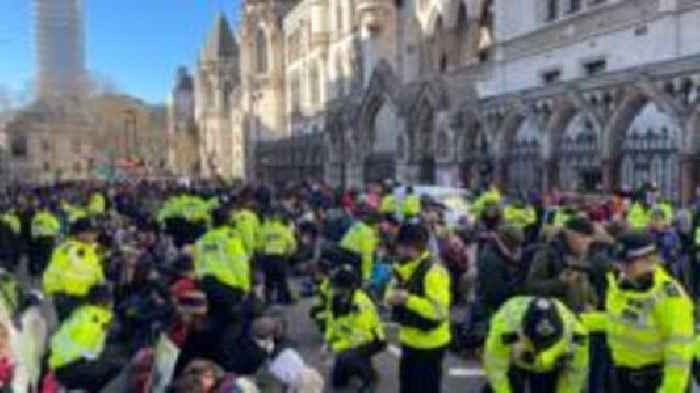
(635,245)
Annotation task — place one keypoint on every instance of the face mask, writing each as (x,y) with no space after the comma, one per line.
(266,344)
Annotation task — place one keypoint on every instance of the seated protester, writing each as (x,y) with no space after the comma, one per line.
(80,356)
(144,309)
(7,362)
(355,332)
(382,273)
(253,349)
(536,345)
(203,376)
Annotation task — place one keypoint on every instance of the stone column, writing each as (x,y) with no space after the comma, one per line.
(688,166)
(607,169)
(551,174)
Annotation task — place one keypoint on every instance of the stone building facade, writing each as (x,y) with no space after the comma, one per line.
(205,120)
(533,94)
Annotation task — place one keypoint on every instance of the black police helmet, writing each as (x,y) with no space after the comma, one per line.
(82,225)
(542,323)
(345,278)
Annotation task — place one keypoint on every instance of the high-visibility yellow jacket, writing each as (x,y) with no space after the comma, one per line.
(45,224)
(388,204)
(320,310)
(97,205)
(191,208)
(74,213)
(11,219)
(520,216)
(490,196)
(506,344)
(220,254)
(74,268)
(652,327)
(362,239)
(638,217)
(410,205)
(360,326)
(81,336)
(425,318)
(247,225)
(277,238)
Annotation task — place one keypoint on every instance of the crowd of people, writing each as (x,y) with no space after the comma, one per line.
(168,286)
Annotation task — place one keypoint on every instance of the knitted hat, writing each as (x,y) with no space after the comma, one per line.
(188,298)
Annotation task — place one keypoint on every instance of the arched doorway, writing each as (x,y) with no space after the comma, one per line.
(425,152)
(524,160)
(579,156)
(477,162)
(380,162)
(649,152)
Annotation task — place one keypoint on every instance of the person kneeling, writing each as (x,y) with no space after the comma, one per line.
(536,342)
(79,356)
(354,332)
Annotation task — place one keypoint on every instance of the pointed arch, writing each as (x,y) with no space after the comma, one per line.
(382,87)
(634,101)
(261,51)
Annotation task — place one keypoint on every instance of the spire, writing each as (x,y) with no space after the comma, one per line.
(220,42)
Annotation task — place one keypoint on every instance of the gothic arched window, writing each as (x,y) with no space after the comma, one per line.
(650,152)
(315,83)
(261,51)
(339,16)
(339,75)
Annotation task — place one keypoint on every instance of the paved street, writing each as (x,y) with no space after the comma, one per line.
(460,376)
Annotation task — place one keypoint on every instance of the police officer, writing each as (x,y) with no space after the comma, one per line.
(75,267)
(387,206)
(247,223)
(489,197)
(277,245)
(536,343)
(355,332)
(648,322)
(520,215)
(420,301)
(362,239)
(79,354)
(10,239)
(221,265)
(410,205)
(45,228)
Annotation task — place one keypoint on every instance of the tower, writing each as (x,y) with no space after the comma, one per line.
(216,82)
(60,47)
(263,67)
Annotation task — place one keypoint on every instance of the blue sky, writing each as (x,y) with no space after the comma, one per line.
(137,44)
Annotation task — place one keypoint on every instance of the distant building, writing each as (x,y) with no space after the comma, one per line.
(60,47)
(205,110)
